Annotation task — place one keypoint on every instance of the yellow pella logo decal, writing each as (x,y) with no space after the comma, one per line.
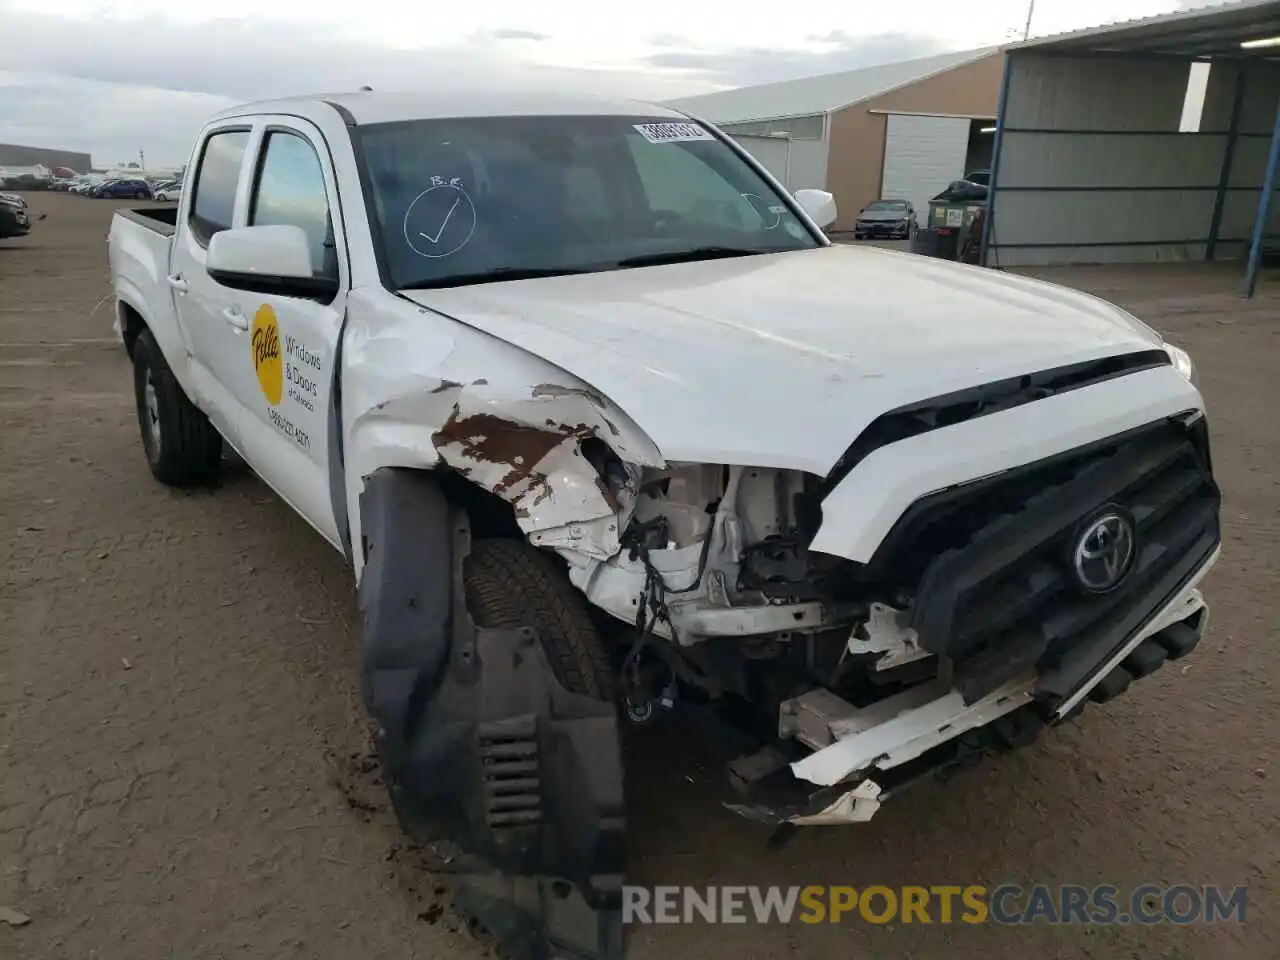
(266,354)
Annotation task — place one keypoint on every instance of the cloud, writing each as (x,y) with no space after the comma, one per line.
(502,33)
(667,40)
(259,58)
(116,86)
(112,122)
(830,53)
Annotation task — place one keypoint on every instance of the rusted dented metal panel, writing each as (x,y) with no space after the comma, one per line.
(513,450)
(529,452)
(416,396)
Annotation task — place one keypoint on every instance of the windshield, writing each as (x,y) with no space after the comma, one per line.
(472,199)
(887,205)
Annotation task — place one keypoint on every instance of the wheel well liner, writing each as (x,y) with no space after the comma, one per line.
(481,745)
(131,325)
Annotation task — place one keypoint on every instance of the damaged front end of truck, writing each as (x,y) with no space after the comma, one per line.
(736,590)
(504,755)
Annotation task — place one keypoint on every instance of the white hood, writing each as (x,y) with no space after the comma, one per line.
(781,360)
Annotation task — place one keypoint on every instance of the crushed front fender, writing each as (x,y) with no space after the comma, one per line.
(482,747)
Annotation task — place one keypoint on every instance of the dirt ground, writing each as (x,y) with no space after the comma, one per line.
(183,753)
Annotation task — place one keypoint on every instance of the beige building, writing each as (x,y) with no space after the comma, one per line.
(901,130)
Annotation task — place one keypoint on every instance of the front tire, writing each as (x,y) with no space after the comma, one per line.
(511,584)
(182,446)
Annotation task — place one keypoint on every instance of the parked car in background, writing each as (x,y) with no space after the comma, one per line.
(15,221)
(171,190)
(982,177)
(888,219)
(113,189)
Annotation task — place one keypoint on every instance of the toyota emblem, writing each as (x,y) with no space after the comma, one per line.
(1104,550)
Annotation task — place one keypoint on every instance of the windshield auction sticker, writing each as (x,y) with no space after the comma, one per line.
(673,132)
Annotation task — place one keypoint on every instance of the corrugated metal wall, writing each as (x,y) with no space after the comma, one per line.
(808,165)
(1092,168)
(1249,161)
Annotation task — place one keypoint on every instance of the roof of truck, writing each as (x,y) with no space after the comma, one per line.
(384,107)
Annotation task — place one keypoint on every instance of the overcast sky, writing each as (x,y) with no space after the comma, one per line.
(116,78)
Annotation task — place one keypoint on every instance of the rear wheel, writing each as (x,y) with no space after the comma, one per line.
(511,584)
(182,446)
(141,194)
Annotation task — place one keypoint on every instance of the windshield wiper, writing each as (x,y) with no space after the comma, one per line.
(496,275)
(687,256)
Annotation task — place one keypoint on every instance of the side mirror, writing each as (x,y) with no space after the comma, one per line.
(819,205)
(270,259)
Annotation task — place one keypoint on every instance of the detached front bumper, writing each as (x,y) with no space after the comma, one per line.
(874,753)
(1022,641)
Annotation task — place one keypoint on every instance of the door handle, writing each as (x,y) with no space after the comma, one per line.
(234,317)
(177,283)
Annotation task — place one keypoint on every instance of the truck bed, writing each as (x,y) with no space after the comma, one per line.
(138,250)
(161,220)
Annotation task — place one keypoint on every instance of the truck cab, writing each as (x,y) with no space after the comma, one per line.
(610,433)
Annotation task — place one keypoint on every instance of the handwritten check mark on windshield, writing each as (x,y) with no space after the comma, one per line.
(447,217)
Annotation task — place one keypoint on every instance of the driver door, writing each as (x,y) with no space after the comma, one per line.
(290,342)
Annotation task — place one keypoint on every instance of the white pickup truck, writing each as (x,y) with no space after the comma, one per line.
(609,431)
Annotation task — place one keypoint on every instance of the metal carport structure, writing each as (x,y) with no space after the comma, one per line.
(1090,164)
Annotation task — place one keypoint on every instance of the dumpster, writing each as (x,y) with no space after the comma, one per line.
(951,221)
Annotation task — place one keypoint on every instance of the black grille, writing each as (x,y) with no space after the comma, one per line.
(989,562)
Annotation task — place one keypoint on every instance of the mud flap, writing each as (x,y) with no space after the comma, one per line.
(483,749)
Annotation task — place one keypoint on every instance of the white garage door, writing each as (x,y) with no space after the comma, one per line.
(921,156)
